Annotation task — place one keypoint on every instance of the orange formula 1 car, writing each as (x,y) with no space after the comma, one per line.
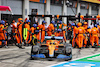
(53,47)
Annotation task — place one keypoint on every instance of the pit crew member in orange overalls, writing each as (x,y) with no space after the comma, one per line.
(51,28)
(81,32)
(14,31)
(36,31)
(31,32)
(85,37)
(2,38)
(19,27)
(76,35)
(27,25)
(94,33)
(43,31)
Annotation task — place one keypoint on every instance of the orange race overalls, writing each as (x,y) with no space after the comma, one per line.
(19,26)
(81,31)
(85,27)
(37,35)
(95,38)
(74,35)
(28,28)
(42,32)
(64,32)
(31,33)
(50,29)
(1,33)
(14,31)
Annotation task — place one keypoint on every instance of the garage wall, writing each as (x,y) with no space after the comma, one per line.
(55,10)
(70,12)
(38,6)
(94,12)
(83,11)
(16,6)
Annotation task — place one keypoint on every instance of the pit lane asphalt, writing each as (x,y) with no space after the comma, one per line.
(15,57)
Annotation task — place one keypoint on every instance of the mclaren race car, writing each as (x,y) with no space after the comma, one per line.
(53,47)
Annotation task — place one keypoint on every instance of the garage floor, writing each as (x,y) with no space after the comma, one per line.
(15,57)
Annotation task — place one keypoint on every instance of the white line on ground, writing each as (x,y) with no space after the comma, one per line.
(72,60)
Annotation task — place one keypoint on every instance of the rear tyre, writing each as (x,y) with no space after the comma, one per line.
(69,54)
